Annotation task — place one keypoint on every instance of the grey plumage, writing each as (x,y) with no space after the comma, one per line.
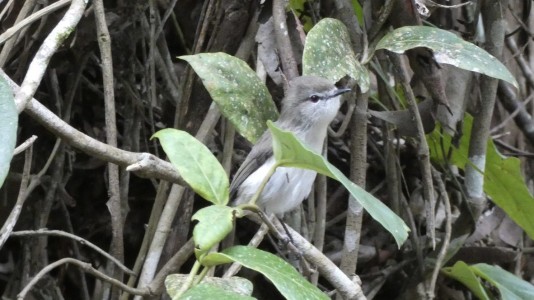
(256,157)
(310,105)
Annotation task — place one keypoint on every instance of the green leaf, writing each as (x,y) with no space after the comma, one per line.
(8,128)
(448,49)
(284,277)
(289,152)
(238,92)
(509,285)
(503,181)
(214,224)
(297,6)
(328,53)
(210,288)
(463,273)
(214,259)
(358,10)
(196,164)
(206,291)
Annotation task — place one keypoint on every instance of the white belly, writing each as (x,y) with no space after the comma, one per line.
(285,190)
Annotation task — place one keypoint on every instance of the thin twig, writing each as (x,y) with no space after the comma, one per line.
(171,206)
(145,164)
(422,152)
(494,25)
(86,267)
(6,50)
(320,214)
(385,11)
(25,233)
(517,110)
(344,285)
(114,202)
(38,66)
(282,40)
(446,239)
(6,35)
(22,147)
(155,214)
(13,217)
(254,242)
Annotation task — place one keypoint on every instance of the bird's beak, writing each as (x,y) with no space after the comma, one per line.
(339,92)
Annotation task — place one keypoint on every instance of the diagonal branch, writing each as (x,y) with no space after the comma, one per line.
(144,164)
(50,45)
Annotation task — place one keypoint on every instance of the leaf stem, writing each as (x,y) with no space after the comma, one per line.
(189,281)
(264,183)
(201,276)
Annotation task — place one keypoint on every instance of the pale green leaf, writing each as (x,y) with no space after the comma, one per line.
(509,285)
(210,288)
(214,224)
(285,278)
(448,49)
(289,152)
(196,164)
(463,273)
(239,93)
(8,128)
(328,53)
(503,180)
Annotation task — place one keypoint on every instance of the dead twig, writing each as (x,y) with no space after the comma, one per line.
(38,66)
(25,233)
(86,267)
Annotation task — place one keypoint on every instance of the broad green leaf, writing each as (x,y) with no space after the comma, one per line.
(463,273)
(284,277)
(8,128)
(196,164)
(328,53)
(210,288)
(289,152)
(503,181)
(238,92)
(448,49)
(214,224)
(509,285)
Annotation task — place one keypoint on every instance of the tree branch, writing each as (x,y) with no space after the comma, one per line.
(38,66)
(144,164)
(86,267)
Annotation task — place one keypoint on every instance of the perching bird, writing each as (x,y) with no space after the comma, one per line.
(309,106)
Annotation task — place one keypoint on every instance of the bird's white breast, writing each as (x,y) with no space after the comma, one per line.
(285,190)
(288,186)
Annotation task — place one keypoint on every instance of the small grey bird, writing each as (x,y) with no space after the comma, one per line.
(309,106)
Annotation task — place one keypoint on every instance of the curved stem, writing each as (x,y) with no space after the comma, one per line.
(264,183)
(189,281)
(201,276)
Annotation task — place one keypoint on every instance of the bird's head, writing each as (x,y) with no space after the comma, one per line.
(311,100)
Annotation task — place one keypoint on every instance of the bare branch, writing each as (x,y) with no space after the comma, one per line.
(86,267)
(24,233)
(144,164)
(38,66)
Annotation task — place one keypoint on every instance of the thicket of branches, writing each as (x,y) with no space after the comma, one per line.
(91,209)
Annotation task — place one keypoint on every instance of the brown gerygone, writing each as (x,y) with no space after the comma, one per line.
(309,106)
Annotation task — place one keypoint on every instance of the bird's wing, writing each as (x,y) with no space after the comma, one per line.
(255,159)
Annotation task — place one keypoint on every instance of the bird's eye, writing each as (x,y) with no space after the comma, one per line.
(314,98)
